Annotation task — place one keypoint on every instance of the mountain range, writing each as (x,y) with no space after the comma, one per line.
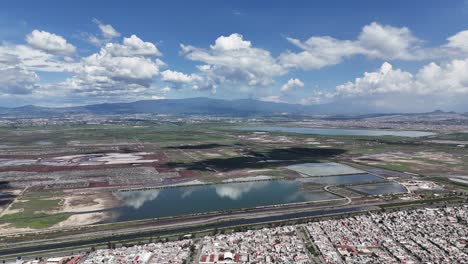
(193,106)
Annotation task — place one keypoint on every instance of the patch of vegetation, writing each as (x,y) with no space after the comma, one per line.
(199,146)
(262,159)
(424,201)
(36,205)
(35,221)
(403,167)
(454,136)
(33,211)
(312,251)
(30,195)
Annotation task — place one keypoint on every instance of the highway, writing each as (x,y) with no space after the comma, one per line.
(179,226)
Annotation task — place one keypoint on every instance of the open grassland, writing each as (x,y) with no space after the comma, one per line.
(459,136)
(215,142)
(35,210)
(34,221)
(36,205)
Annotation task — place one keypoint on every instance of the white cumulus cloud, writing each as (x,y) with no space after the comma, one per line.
(50,43)
(35,59)
(459,41)
(179,77)
(125,66)
(133,46)
(107,31)
(388,42)
(17,80)
(232,42)
(375,40)
(385,80)
(433,86)
(233,60)
(291,84)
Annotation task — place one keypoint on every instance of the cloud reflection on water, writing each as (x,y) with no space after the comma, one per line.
(235,191)
(136,199)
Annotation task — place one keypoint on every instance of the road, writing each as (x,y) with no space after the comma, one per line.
(186,226)
(327,189)
(181,225)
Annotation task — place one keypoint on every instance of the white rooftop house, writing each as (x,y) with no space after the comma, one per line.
(54,260)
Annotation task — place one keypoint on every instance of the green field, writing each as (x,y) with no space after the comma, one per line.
(34,213)
(36,205)
(35,221)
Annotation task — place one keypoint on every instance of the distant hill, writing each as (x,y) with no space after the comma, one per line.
(199,105)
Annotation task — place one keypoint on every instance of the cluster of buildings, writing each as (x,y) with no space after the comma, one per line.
(35,119)
(427,122)
(428,235)
(431,235)
(154,253)
(414,236)
(268,245)
(177,252)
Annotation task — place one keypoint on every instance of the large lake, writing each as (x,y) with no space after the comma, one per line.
(338,131)
(199,199)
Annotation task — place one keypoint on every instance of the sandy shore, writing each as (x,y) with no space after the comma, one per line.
(85,202)
(82,206)
(83,219)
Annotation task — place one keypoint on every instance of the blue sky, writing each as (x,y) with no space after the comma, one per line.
(394,55)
